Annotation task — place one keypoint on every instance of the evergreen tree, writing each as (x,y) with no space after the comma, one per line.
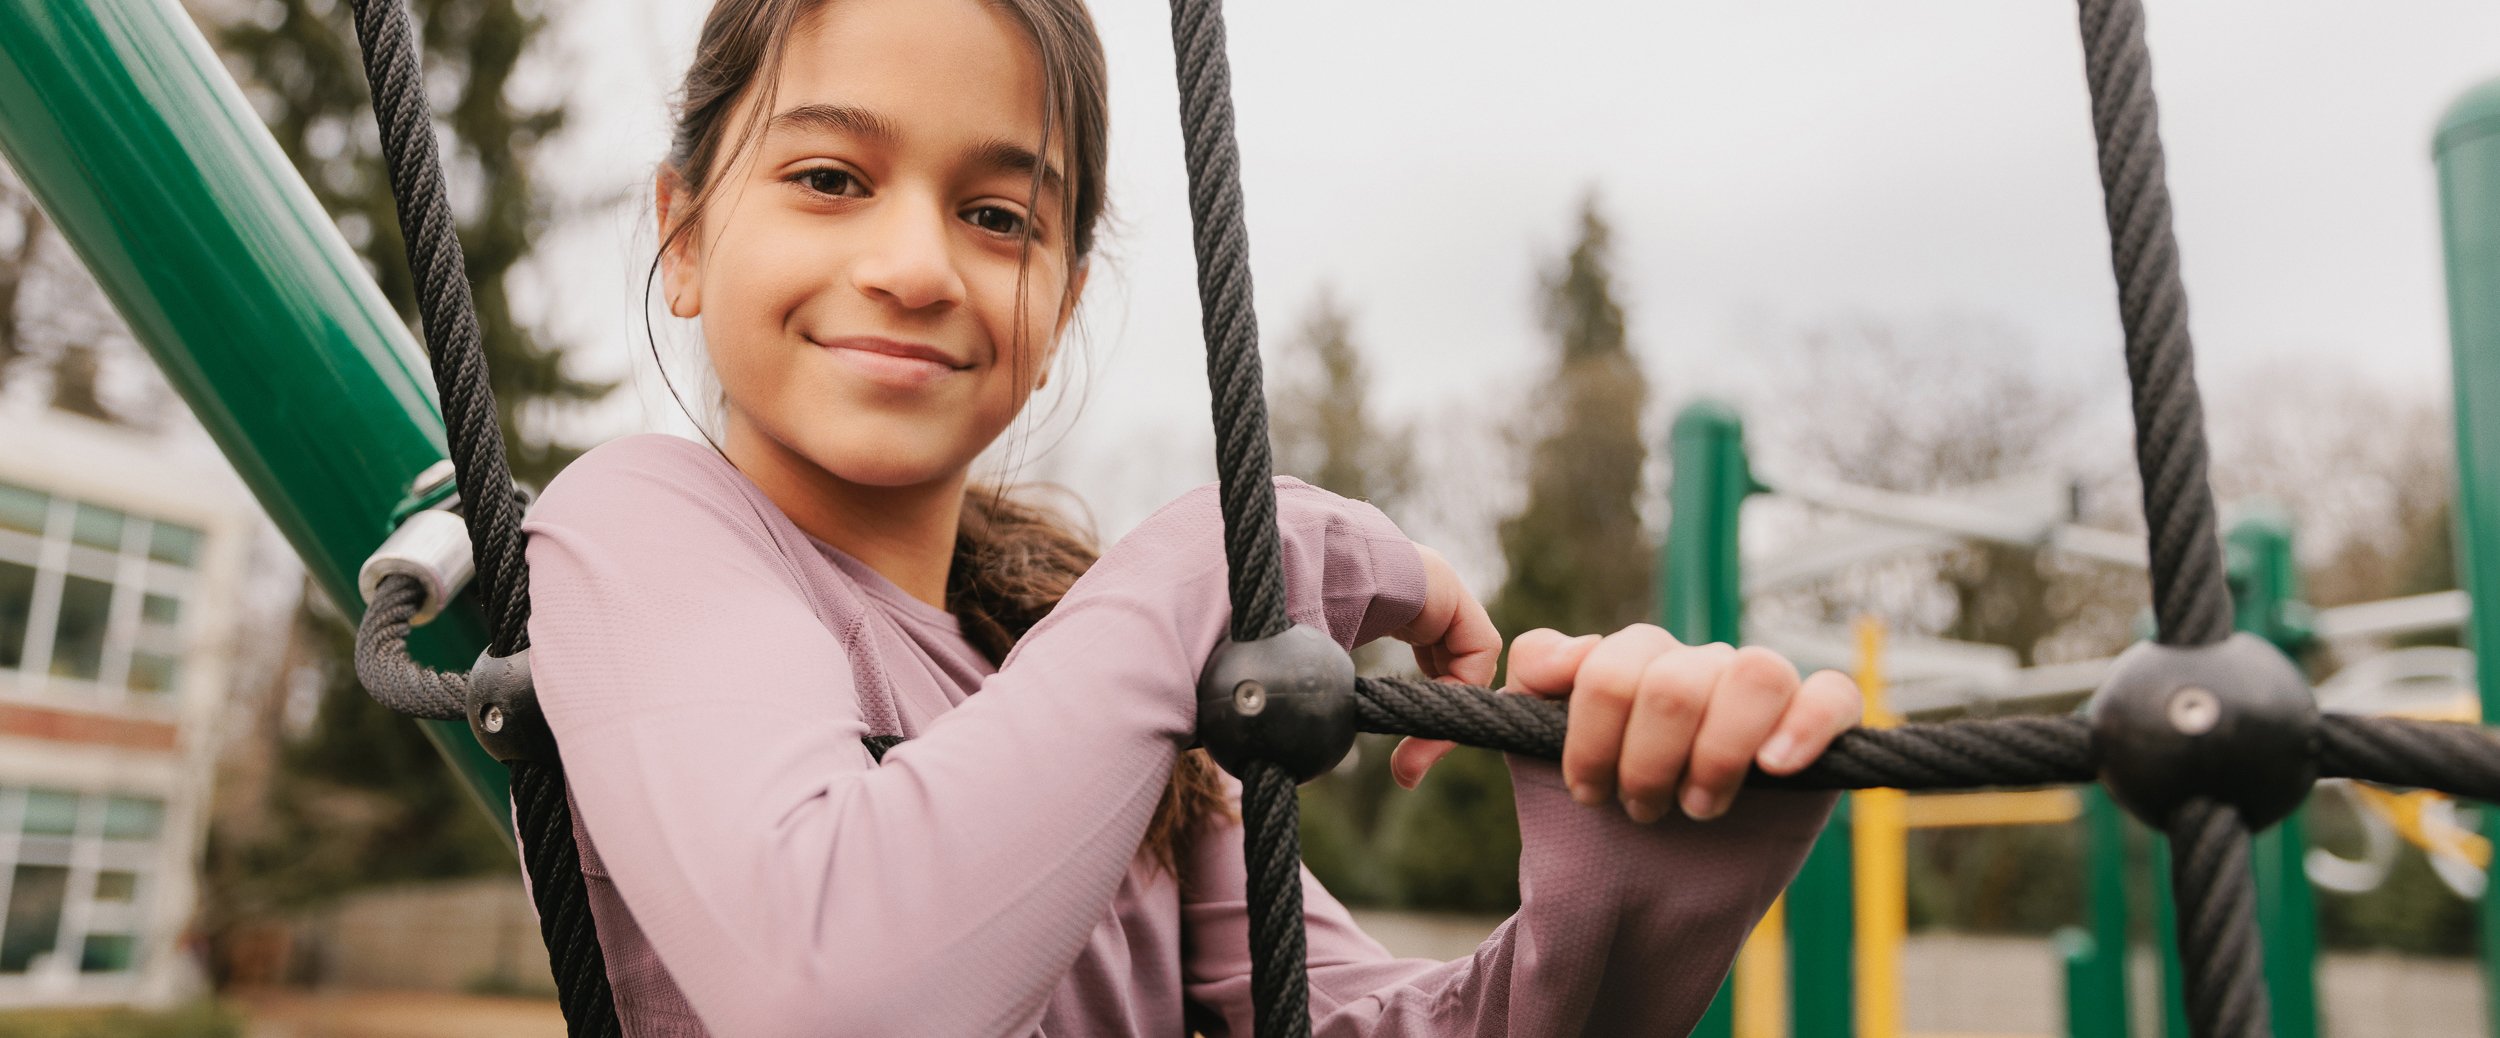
(1578,561)
(1326,432)
(359,797)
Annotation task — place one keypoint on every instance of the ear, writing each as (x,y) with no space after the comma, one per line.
(681,269)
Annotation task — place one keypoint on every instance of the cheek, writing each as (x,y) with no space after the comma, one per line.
(1023,334)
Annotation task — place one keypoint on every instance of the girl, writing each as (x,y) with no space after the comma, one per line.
(881,211)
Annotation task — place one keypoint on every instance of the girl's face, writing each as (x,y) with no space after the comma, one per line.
(857,271)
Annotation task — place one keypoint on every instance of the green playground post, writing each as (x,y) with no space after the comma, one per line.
(2265,590)
(1701,597)
(2466,149)
(147,156)
(2096,958)
(1701,594)
(2174,1019)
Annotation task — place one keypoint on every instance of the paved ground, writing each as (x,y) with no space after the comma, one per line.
(397,1014)
(1962,987)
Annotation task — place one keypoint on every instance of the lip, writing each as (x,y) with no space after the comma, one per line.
(894,363)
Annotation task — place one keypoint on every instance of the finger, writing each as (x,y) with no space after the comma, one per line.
(1752,695)
(1825,706)
(1543,662)
(1667,713)
(1414,756)
(1601,701)
(1473,648)
(1442,594)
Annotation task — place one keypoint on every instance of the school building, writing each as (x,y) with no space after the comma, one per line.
(121,570)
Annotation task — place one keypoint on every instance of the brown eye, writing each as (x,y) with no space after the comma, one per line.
(995,220)
(829,180)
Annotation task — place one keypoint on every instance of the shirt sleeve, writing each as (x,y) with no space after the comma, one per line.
(711,730)
(1622,928)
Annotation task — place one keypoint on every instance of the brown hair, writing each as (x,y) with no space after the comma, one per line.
(1014,558)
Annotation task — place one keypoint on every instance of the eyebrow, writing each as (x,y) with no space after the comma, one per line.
(845,119)
(1008,156)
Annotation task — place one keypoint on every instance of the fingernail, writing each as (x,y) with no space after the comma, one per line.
(1780,752)
(1586,795)
(1700,806)
(1640,812)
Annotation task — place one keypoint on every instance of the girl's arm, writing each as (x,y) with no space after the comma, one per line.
(1623,928)
(711,727)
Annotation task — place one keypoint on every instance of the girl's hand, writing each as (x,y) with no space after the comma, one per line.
(1453,637)
(1656,723)
(1454,640)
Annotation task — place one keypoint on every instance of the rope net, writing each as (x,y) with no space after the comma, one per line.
(2208,818)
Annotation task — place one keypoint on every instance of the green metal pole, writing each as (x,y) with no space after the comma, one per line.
(2096,962)
(1822,936)
(2174,1020)
(1701,595)
(2467,150)
(147,156)
(2265,588)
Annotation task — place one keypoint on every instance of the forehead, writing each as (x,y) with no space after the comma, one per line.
(939,70)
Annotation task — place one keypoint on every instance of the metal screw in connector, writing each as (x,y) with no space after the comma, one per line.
(493,720)
(1249,698)
(2194,711)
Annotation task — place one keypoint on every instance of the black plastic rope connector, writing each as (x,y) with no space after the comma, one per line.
(1287,699)
(503,710)
(2233,722)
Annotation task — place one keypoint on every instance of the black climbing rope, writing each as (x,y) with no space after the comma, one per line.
(491,506)
(1272,838)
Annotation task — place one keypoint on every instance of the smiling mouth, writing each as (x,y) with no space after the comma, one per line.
(898,350)
(888,362)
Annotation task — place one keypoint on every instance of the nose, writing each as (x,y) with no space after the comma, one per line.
(908,262)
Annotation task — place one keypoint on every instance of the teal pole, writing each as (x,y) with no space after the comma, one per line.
(1822,936)
(2467,151)
(1701,598)
(2096,961)
(2174,1021)
(159,174)
(2265,589)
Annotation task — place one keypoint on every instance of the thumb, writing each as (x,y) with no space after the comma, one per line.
(1414,756)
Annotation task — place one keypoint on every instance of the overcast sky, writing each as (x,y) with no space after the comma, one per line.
(1767,166)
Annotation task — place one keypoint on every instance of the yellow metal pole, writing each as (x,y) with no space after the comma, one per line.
(1879,831)
(1762,977)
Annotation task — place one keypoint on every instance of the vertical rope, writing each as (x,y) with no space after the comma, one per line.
(545,816)
(490,502)
(2217,898)
(2189,598)
(1280,989)
(1279,980)
(488,499)
(1230,324)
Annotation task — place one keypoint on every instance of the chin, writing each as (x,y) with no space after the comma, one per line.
(874,461)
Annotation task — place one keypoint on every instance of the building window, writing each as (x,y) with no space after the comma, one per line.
(91,598)
(77,879)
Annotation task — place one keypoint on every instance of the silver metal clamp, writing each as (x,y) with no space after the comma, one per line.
(431,546)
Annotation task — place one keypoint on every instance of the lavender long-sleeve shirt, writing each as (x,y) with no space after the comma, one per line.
(709,670)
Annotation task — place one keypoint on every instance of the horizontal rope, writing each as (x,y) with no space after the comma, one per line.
(2463,759)
(2001,751)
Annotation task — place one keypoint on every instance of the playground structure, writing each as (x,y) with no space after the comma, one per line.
(1832,946)
(158,172)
